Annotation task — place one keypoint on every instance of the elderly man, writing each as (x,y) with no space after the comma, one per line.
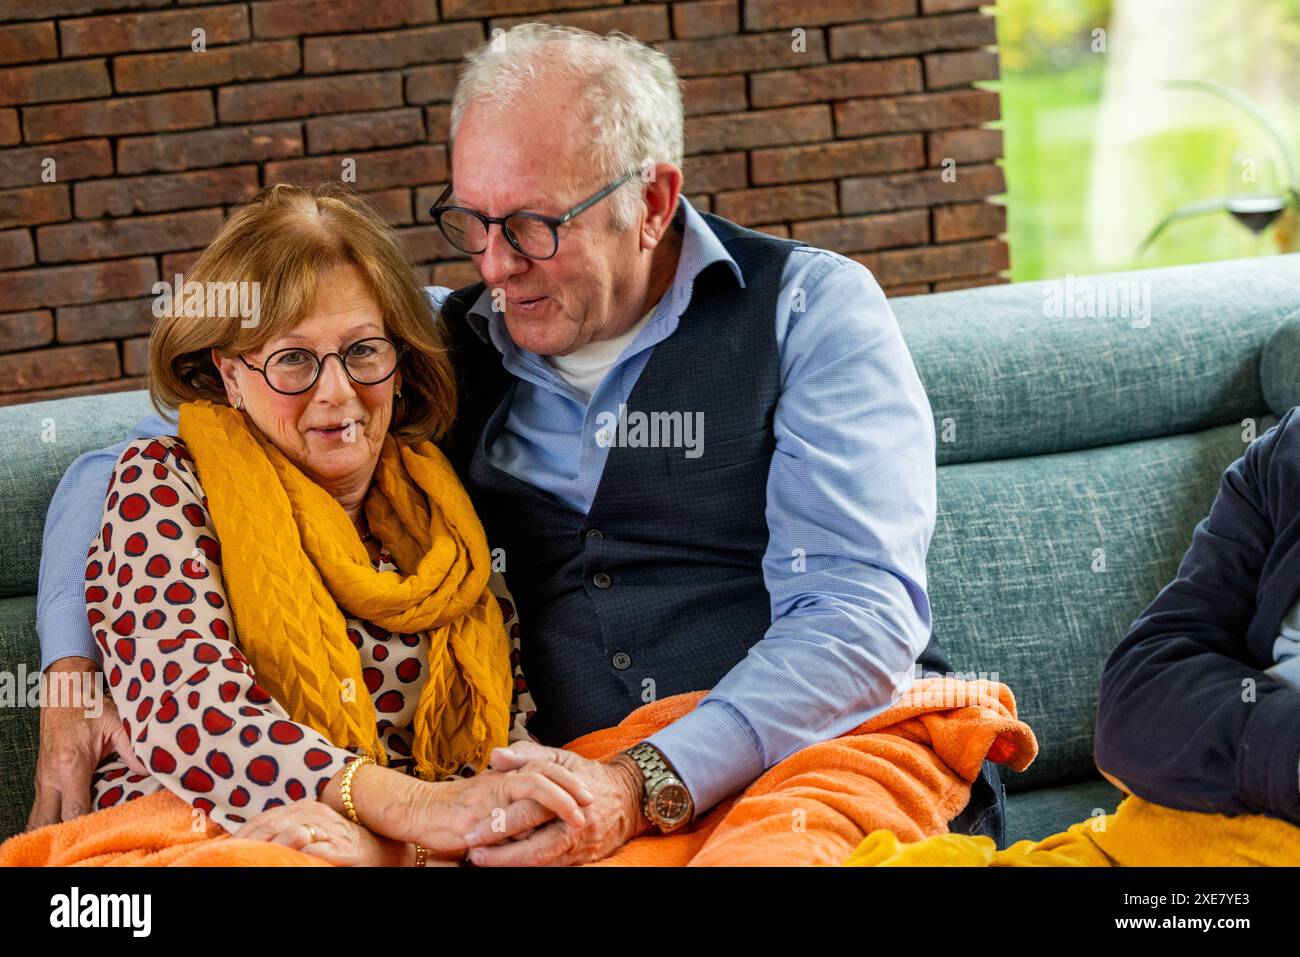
(704,453)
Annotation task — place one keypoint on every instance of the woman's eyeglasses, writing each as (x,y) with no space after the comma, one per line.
(531,234)
(295,370)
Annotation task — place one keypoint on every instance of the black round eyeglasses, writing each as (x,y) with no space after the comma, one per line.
(294,370)
(531,234)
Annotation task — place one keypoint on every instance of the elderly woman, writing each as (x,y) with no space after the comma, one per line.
(292,595)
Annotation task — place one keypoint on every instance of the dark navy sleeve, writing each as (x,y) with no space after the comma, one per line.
(1187,718)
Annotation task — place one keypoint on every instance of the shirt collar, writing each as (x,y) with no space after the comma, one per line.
(701,248)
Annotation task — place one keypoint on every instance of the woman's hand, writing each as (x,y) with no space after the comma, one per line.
(317,829)
(500,805)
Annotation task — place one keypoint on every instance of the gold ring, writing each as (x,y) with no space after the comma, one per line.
(311,833)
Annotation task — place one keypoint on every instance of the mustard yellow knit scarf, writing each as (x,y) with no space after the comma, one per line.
(292,563)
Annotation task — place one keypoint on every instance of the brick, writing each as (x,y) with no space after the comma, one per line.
(437,123)
(62,365)
(52,82)
(120,116)
(777,203)
(424,197)
(426,243)
(291,18)
(647,22)
(78,242)
(95,388)
(853,234)
(413,166)
(382,51)
(139,32)
(431,84)
(148,72)
(936,262)
(714,94)
(777,229)
(25,330)
(135,356)
(223,147)
(81,159)
(706,18)
(741,54)
(456,275)
(796,164)
(927,188)
(178,264)
(771,14)
(9,131)
(154,194)
(799,124)
(702,202)
(28,42)
(838,81)
(717,171)
(364,131)
(44,9)
(33,205)
(104,320)
(295,98)
(944,70)
(394,205)
(970,282)
(466,9)
(69,285)
(965,146)
(904,37)
(969,221)
(16,249)
(950,6)
(907,289)
(926,111)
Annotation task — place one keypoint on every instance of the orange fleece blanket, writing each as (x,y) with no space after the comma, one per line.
(908,771)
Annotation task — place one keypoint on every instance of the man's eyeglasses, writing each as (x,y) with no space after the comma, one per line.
(531,234)
(295,370)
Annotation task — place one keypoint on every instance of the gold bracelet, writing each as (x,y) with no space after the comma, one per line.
(421,853)
(345,785)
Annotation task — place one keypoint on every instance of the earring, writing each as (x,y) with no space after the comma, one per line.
(397,394)
(239,402)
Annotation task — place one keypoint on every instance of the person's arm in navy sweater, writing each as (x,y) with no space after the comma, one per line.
(1187,718)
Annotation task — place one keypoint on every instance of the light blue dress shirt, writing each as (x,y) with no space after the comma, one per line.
(850,511)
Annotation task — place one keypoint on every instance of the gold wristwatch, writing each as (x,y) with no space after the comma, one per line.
(667,802)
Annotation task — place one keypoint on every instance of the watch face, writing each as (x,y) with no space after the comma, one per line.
(672,802)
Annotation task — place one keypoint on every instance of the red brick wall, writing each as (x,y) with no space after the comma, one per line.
(840,143)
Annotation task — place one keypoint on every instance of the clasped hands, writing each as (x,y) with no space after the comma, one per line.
(533,806)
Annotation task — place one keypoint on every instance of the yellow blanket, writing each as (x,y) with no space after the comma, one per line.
(1138,834)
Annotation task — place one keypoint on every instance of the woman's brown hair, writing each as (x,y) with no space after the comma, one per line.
(282,240)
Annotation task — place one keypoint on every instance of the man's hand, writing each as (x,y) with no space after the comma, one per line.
(614,816)
(76,734)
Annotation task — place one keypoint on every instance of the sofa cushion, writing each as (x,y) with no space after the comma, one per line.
(1034,815)
(1279,366)
(37,443)
(1019,587)
(1008,380)
(19,726)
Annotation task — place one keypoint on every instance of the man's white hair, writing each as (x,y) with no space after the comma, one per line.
(630,98)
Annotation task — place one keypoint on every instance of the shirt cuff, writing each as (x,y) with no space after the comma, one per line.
(713,751)
(64,631)
(1287,671)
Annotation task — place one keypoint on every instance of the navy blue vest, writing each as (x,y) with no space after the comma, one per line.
(659,587)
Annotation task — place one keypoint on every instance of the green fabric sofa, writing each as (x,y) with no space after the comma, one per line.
(1076,455)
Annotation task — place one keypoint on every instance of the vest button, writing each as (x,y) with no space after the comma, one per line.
(622,661)
(595,535)
(601,580)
